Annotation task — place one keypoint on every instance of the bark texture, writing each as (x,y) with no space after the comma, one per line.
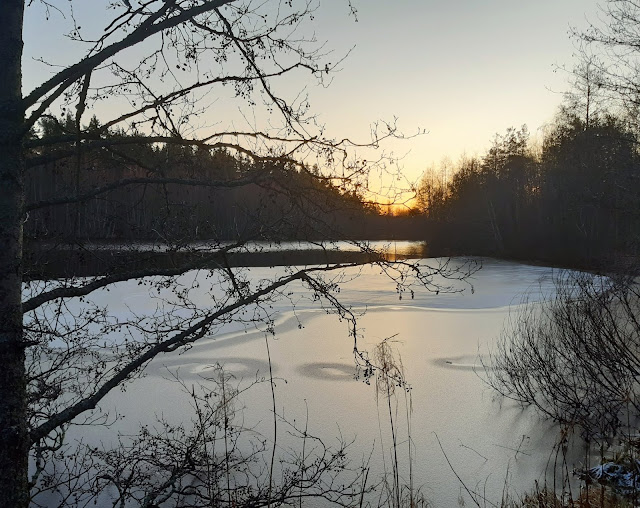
(14,446)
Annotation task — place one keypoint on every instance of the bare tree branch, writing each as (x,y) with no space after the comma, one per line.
(188,335)
(152,25)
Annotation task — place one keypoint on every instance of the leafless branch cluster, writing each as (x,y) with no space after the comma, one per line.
(575,356)
(82,350)
(152,68)
(609,53)
(212,460)
(193,51)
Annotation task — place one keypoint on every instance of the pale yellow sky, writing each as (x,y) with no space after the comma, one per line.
(462,70)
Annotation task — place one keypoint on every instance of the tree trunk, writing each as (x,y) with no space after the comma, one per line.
(14,444)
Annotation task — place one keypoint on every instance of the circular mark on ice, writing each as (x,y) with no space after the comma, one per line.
(328,371)
(471,363)
(241,368)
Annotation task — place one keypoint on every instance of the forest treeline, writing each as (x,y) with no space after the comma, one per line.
(572,200)
(143,190)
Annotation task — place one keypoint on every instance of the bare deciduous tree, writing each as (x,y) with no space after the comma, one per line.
(156,63)
(608,72)
(575,357)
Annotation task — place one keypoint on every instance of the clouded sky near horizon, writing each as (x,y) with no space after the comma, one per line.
(463,70)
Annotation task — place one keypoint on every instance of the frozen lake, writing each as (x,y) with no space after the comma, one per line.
(439,338)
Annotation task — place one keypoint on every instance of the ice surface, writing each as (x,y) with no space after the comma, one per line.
(439,338)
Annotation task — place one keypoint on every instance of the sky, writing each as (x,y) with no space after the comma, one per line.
(462,70)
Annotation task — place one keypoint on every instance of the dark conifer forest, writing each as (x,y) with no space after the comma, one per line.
(573,200)
(139,189)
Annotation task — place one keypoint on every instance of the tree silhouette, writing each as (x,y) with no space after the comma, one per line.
(156,63)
